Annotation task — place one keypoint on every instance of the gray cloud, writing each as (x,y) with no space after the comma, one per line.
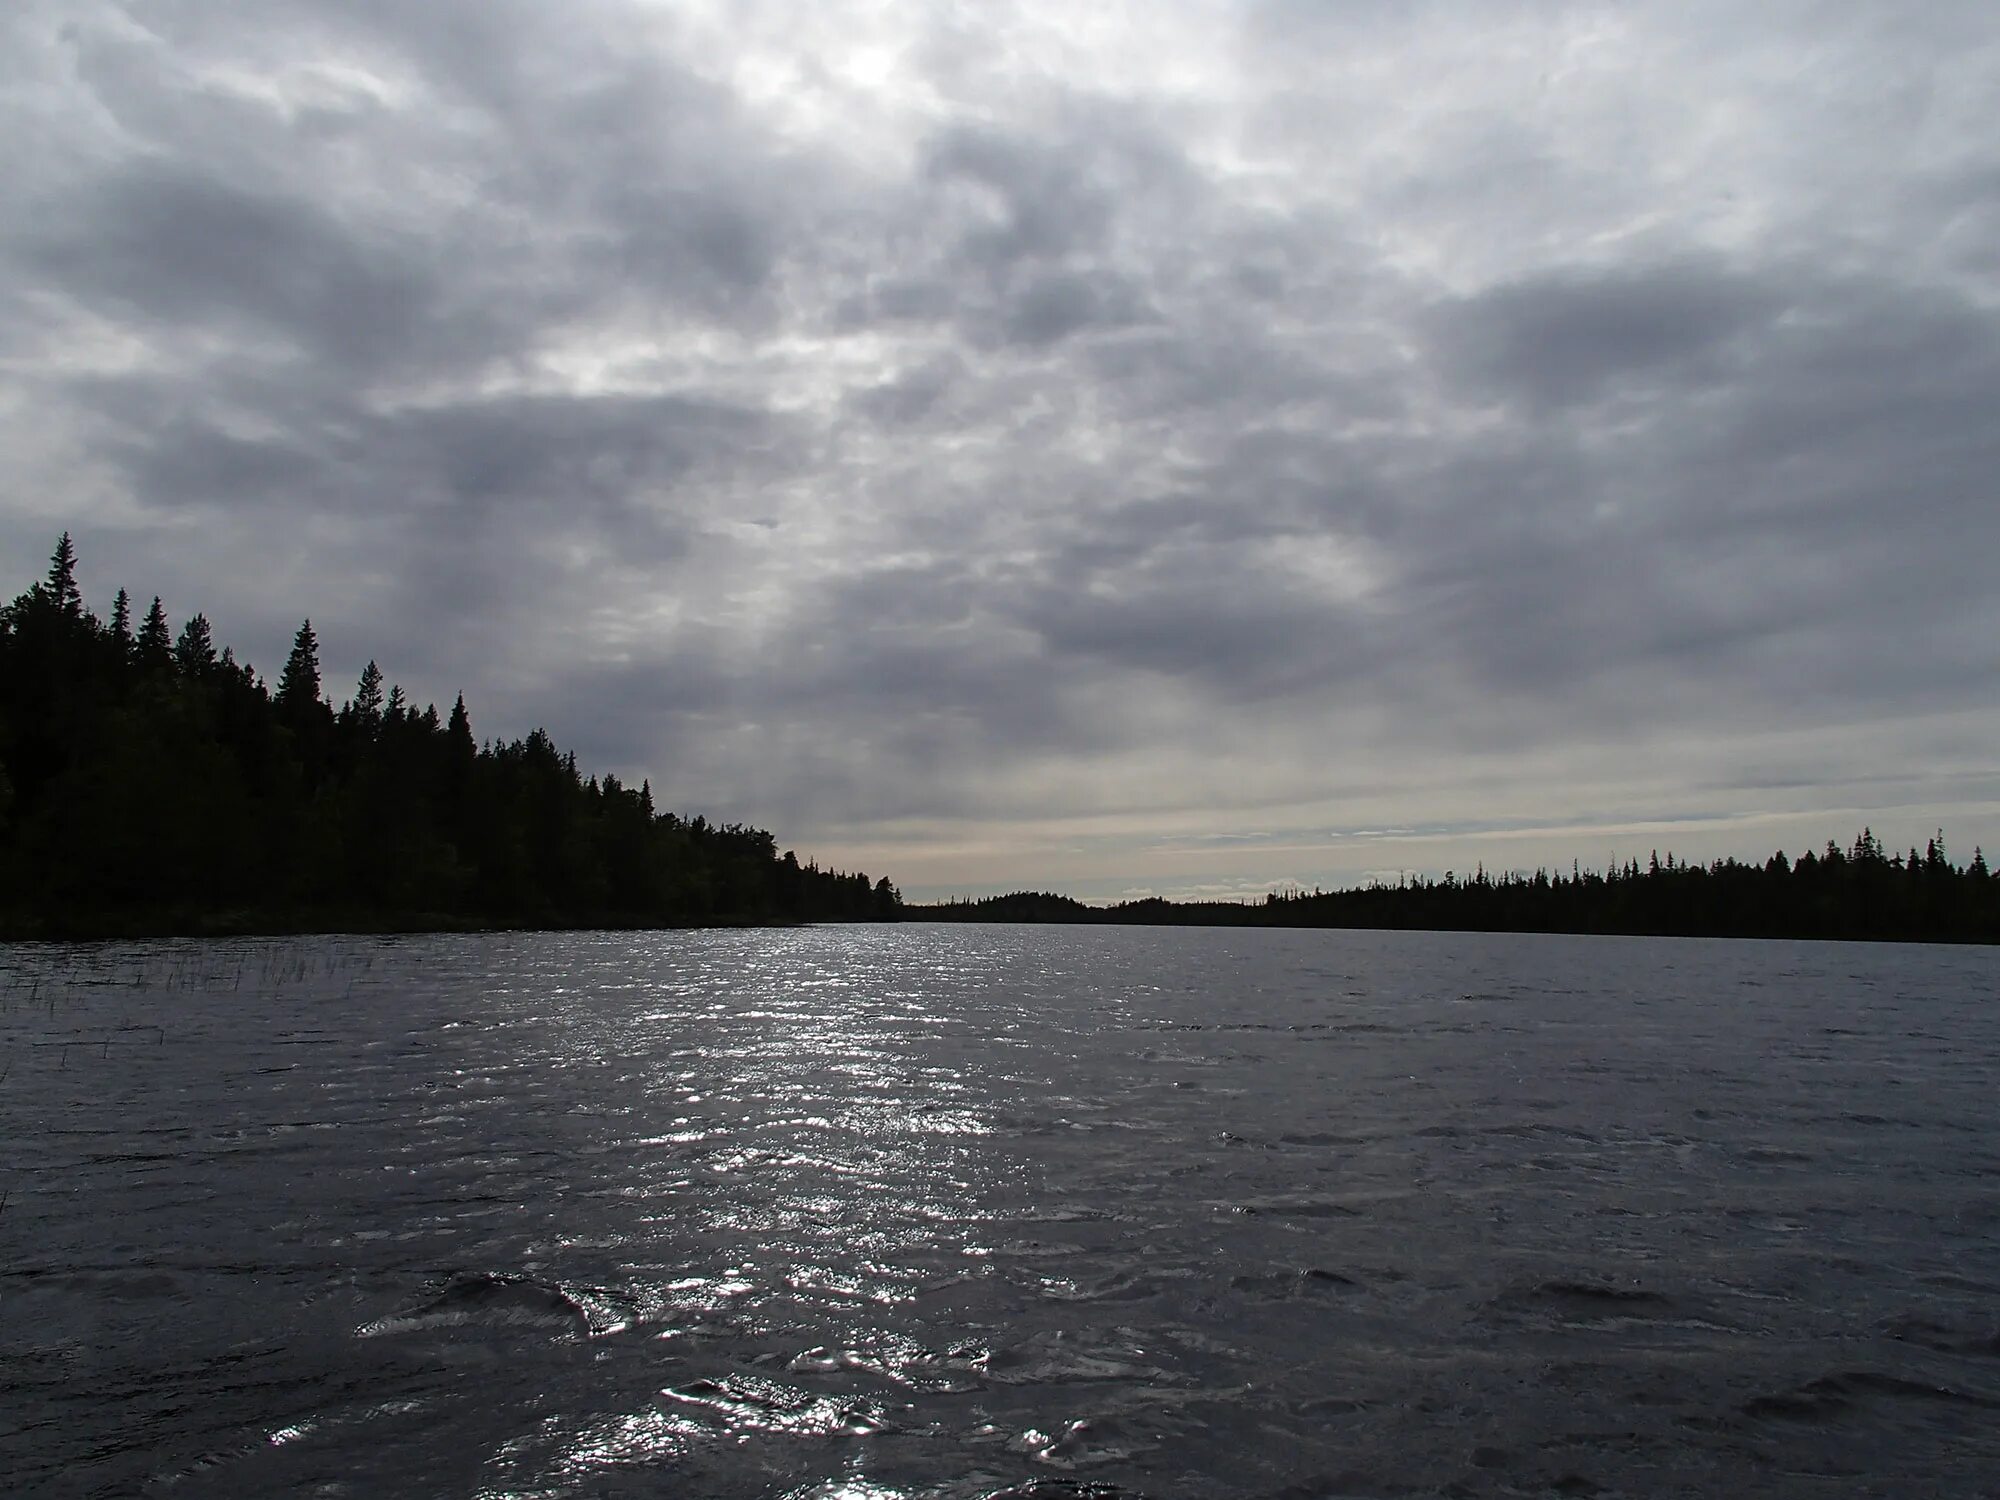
(1569,336)
(1000,448)
(188,251)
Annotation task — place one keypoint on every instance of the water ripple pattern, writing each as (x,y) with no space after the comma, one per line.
(877,1213)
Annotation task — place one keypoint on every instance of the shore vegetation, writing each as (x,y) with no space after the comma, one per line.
(1859,891)
(151,783)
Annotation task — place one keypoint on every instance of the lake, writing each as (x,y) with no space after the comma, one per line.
(869,1213)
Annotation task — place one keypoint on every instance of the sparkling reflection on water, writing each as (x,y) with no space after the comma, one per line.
(946,1211)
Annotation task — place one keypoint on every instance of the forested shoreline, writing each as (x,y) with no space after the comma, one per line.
(152,784)
(1863,892)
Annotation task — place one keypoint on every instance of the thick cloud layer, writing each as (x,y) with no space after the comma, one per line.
(1183,448)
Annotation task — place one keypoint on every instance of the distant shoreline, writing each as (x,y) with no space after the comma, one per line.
(224,926)
(1862,893)
(920,916)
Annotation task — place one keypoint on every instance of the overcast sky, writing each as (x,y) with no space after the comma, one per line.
(1118,448)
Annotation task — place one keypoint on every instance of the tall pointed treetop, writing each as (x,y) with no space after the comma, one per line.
(63,592)
(156,646)
(299,686)
(368,696)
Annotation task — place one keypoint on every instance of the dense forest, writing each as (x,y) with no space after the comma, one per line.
(1859,892)
(150,782)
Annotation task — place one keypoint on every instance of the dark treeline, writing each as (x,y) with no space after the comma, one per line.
(1860,892)
(149,782)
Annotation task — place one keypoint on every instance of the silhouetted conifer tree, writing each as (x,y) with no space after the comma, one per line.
(458,731)
(888,900)
(368,698)
(155,645)
(63,592)
(194,652)
(298,688)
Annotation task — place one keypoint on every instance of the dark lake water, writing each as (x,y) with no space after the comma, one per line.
(859,1213)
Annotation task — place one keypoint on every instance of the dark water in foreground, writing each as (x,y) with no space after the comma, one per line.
(875,1213)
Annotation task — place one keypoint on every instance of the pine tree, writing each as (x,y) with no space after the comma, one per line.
(156,646)
(368,698)
(459,733)
(888,900)
(63,592)
(194,652)
(121,620)
(298,688)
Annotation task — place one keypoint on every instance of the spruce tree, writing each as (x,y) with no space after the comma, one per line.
(121,620)
(298,688)
(156,646)
(63,592)
(368,698)
(459,732)
(194,652)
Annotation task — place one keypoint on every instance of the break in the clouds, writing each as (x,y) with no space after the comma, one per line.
(1170,448)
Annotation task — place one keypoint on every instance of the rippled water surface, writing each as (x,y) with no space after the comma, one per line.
(958,1211)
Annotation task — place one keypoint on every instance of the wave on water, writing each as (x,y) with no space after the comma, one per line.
(497,1300)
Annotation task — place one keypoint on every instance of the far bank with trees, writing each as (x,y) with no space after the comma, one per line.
(152,783)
